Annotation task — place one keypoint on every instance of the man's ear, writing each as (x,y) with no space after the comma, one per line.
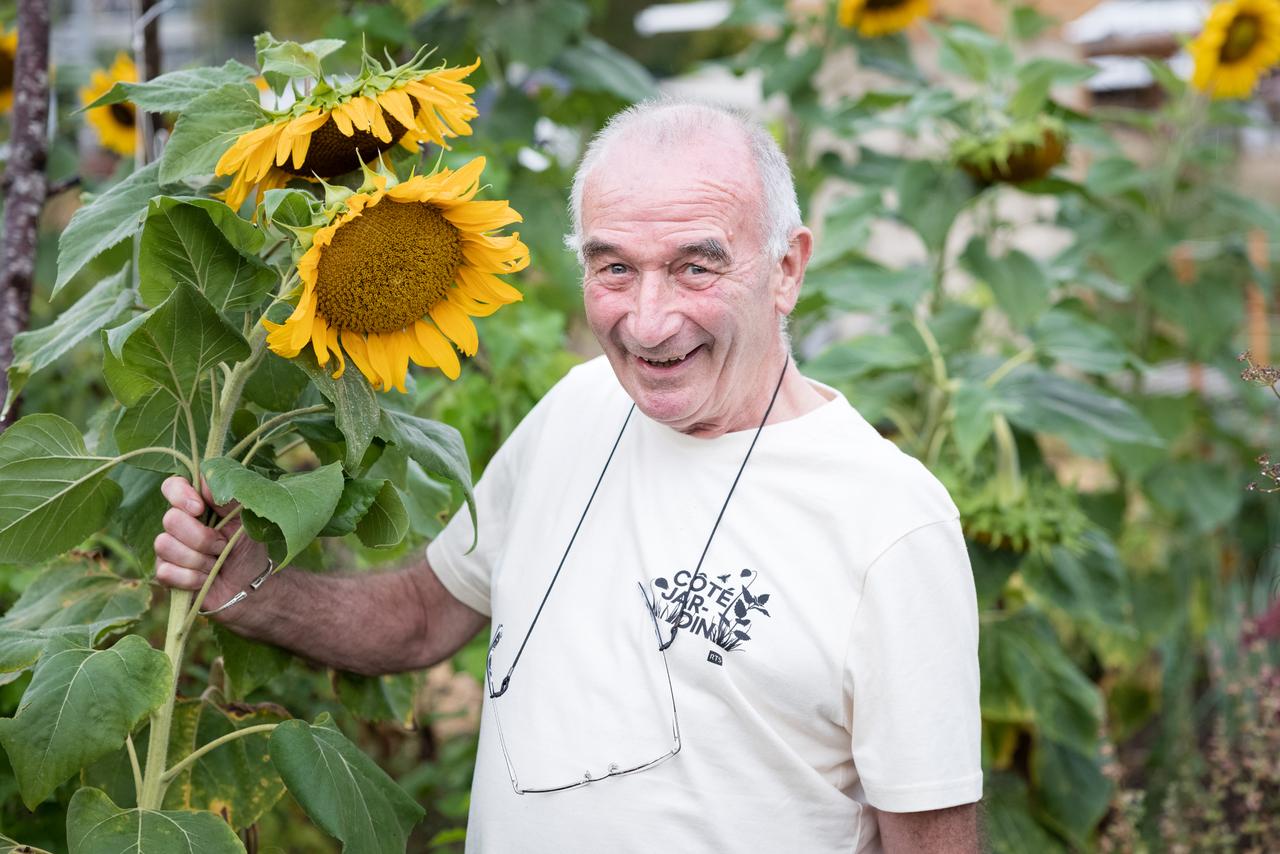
(793,263)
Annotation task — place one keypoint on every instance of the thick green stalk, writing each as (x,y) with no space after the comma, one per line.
(231,393)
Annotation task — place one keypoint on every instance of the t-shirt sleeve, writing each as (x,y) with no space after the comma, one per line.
(912,673)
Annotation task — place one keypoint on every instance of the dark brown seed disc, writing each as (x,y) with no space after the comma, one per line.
(384,269)
(1242,36)
(332,153)
(6,71)
(124,114)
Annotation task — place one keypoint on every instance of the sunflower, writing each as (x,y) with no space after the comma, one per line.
(8,55)
(1240,40)
(875,18)
(117,124)
(333,131)
(398,272)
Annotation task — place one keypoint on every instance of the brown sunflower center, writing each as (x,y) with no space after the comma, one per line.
(331,153)
(384,269)
(6,71)
(124,114)
(880,5)
(1242,36)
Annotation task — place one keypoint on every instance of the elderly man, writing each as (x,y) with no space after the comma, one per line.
(727,615)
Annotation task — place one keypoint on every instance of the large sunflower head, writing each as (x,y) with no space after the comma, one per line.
(396,273)
(8,53)
(874,18)
(333,131)
(1240,40)
(117,124)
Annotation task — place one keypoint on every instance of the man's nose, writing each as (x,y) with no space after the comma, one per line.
(653,315)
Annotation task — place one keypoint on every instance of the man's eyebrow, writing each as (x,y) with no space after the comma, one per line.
(711,249)
(595,248)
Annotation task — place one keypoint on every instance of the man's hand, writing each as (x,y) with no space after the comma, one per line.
(188,548)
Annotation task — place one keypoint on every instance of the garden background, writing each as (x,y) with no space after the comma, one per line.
(1047,238)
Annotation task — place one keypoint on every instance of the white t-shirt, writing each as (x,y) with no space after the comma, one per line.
(826,667)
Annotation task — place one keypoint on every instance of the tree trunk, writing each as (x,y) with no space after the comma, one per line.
(148,63)
(24,181)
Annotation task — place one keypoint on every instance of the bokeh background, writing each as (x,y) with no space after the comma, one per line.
(1044,247)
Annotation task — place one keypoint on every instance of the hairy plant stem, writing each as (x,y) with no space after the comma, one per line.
(208,583)
(180,601)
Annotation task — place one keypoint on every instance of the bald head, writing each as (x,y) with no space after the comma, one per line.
(668,128)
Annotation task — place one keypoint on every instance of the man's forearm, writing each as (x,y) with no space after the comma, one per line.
(371,623)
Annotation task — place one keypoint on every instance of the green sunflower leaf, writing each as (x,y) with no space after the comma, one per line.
(206,129)
(53,493)
(387,520)
(105,221)
(298,504)
(47,739)
(159,419)
(78,599)
(248,664)
(355,407)
(596,66)
(174,92)
(437,447)
(37,349)
(358,495)
(174,344)
(202,243)
(95,825)
(292,59)
(1020,284)
(342,789)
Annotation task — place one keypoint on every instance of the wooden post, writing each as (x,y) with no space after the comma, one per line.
(1258,323)
(24,181)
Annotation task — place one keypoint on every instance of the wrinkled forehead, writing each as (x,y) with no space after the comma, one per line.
(709,176)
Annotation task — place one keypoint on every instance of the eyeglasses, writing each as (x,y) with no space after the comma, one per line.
(530,767)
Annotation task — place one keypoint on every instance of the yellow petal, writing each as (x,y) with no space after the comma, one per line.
(397,344)
(320,340)
(398,103)
(353,343)
(337,351)
(439,349)
(471,306)
(487,287)
(454,322)
(480,216)
(378,358)
(342,120)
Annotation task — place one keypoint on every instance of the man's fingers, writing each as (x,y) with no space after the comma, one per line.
(192,533)
(175,552)
(181,495)
(179,577)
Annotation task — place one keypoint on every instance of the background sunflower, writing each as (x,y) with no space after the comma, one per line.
(1240,40)
(398,274)
(874,18)
(8,53)
(333,132)
(117,124)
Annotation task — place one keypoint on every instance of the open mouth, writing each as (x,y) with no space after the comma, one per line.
(670,363)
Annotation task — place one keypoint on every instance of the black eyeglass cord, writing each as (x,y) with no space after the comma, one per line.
(506,680)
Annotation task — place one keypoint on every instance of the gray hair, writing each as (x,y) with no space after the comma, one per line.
(668,121)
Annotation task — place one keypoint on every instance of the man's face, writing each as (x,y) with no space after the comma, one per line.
(678,285)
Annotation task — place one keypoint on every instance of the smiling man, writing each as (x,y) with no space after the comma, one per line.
(727,615)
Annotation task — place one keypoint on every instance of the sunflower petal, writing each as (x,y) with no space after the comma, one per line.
(378,357)
(320,340)
(480,216)
(454,323)
(486,286)
(398,103)
(397,344)
(353,342)
(439,349)
(336,347)
(476,309)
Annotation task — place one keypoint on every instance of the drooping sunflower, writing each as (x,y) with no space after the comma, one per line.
(1240,40)
(397,273)
(8,54)
(331,132)
(116,124)
(875,18)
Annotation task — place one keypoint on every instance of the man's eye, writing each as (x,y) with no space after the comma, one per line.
(616,269)
(696,269)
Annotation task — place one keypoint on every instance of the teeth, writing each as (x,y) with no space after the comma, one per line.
(664,363)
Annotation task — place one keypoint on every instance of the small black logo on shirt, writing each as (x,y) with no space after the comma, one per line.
(718,607)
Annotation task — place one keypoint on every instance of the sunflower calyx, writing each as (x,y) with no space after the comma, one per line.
(1013,154)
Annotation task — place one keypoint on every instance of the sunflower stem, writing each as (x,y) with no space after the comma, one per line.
(231,392)
(271,423)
